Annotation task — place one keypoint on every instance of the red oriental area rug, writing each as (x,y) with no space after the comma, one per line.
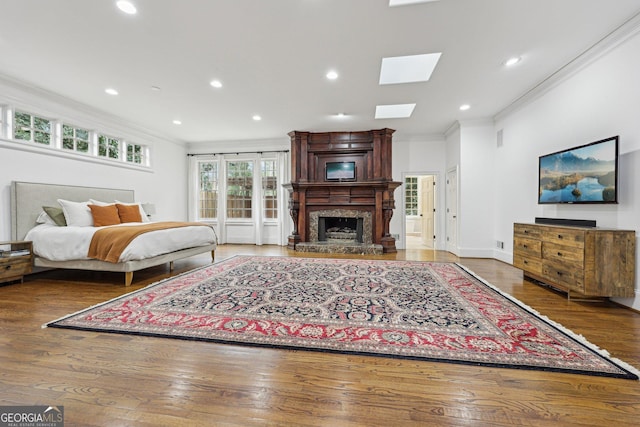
(421,310)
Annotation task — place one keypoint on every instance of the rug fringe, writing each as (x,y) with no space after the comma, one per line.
(580,338)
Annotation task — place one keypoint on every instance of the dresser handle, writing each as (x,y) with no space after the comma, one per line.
(559,273)
(559,253)
(525,261)
(559,236)
(524,246)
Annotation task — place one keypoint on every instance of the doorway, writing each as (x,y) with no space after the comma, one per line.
(420,211)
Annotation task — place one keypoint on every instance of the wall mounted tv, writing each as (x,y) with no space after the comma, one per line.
(584,174)
(340,171)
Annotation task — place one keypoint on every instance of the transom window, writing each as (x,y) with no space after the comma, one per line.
(28,127)
(22,126)
(108,147)
(135,153)
(75,138)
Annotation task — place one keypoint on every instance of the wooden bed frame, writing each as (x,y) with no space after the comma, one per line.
(28,198)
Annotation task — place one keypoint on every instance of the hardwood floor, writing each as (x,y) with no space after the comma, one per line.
(118,380)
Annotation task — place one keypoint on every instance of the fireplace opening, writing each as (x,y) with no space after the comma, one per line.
(340,229)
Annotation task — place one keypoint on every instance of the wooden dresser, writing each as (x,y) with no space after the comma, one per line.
(586,262)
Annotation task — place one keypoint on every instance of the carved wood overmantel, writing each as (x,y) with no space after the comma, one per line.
(371,190)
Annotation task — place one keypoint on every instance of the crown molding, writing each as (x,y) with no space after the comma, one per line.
(615,38)
(32,97)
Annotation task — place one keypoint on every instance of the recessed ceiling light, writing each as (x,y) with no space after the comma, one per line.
(111,91)
(177,122)
(408,69)
(127,7)
(393,3)
(341,115)
(257,118)
(397,111)
(512,61)
(465,107)
(155,88)
(332,75)
(216,83)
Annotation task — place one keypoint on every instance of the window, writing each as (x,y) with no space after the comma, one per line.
(28,127)
(239,189)
(208,190)
(269,189)
(135,153)
(411,195)
(76,139)
(108,147)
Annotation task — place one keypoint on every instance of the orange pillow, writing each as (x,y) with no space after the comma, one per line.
(129,213)
(104,215)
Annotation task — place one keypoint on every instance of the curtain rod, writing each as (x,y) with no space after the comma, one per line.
(237,152)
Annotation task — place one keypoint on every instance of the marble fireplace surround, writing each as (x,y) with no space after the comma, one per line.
(367,228)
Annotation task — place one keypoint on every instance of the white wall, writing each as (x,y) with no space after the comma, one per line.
(425,156)
(164,184)
(599,101)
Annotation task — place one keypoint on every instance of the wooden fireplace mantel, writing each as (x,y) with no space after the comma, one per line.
(371,191)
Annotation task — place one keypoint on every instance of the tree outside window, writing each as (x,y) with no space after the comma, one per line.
(411,195)
(108,147)
(239,189)
(28,127)
(74,138)
(208,190)
(269,188)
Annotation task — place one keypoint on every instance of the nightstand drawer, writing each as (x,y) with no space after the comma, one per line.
(15,268)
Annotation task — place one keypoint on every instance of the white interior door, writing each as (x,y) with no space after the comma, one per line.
(427,209)
(452,210)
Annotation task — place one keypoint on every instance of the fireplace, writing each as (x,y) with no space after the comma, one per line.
(335,215)
(339,230)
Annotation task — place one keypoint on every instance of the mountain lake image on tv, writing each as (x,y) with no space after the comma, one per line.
(584,174)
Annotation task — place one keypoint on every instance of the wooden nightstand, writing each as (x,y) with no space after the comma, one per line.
(16,260)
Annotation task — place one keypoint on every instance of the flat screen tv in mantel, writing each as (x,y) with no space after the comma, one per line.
(583,174)
(340,171)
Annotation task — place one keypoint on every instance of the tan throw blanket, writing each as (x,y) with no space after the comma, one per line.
(108,243)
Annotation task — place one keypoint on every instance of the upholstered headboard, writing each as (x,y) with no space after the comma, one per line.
(28,198)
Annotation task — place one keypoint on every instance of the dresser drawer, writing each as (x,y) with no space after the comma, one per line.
(527,230)
(531,265)
(527,247)
(563,236)
(561,254)
(567,275)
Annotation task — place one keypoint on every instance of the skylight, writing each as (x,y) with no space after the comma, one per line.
(408,69)
(393,3)
(396,111)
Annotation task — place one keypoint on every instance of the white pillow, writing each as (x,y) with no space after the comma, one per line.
(44,218)
(77,214)
(99,203)
(143,214)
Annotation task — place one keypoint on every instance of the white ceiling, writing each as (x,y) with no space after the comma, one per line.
(272,58)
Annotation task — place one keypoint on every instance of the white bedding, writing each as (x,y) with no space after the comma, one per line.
(72,243)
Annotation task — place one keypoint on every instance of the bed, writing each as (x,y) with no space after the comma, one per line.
(28,199)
